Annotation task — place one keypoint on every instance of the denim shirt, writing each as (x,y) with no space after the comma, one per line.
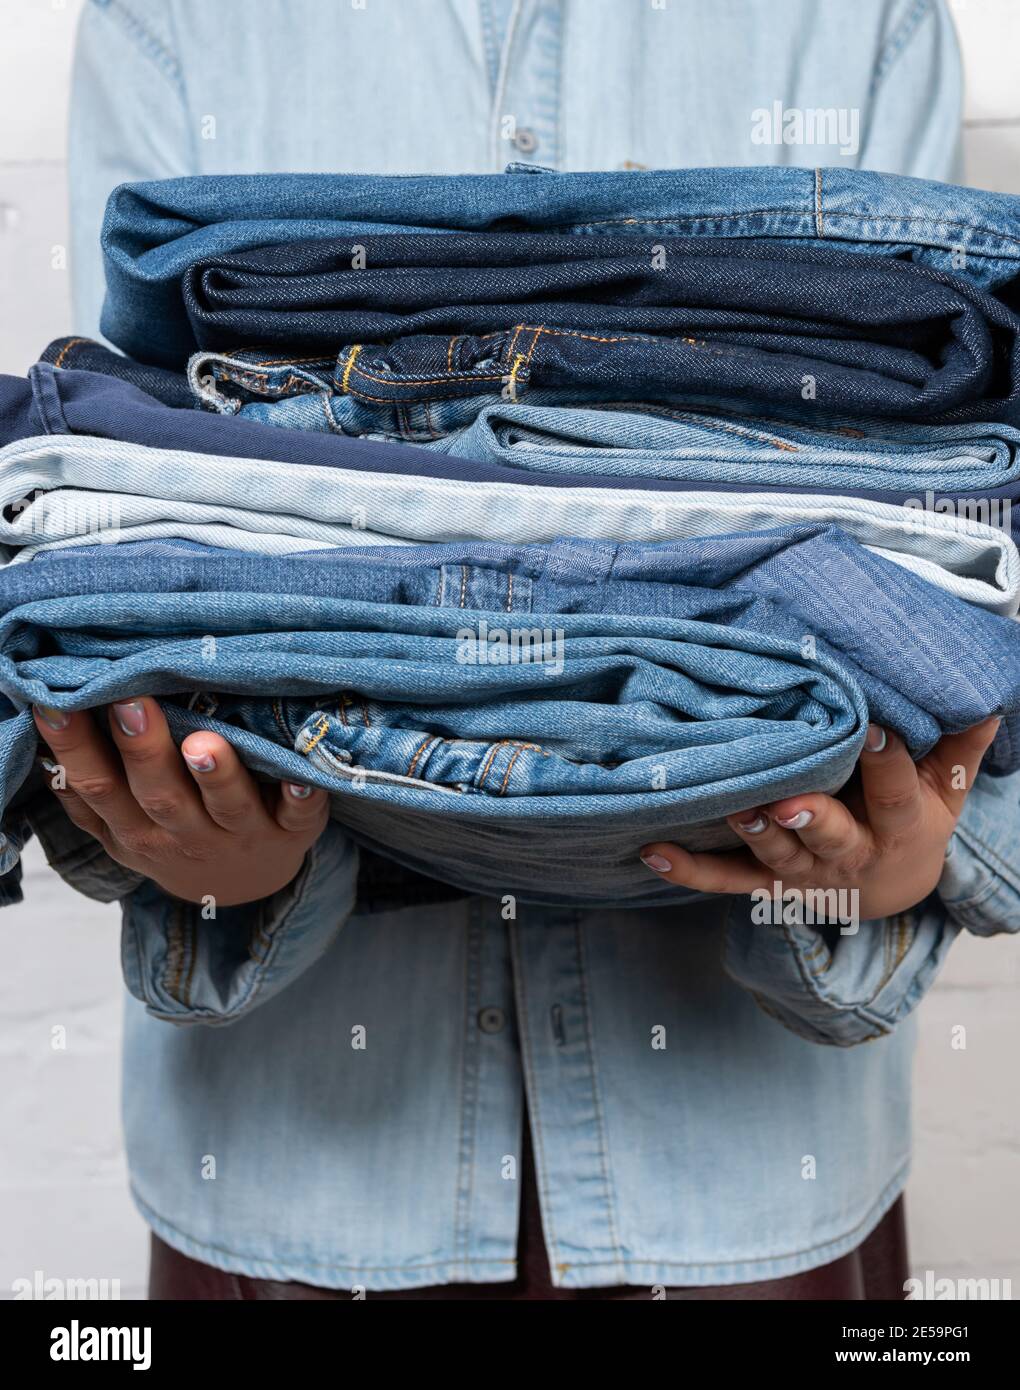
(364,1106)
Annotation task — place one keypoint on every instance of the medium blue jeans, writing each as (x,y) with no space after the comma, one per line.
(581,434)
(643,692)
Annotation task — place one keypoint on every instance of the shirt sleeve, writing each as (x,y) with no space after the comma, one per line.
(845,989)
(980,883)
(834,988)
(128,120)
(912,124)
(189,963)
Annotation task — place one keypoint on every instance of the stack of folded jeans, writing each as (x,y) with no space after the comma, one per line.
(535,516)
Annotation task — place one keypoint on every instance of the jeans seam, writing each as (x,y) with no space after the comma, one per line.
(431,739)
(71,343)
(819,225)
(996,235)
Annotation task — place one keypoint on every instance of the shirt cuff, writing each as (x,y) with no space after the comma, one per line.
(187,965)
(980,883)
(834,988)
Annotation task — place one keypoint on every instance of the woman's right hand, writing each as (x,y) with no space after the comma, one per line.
(198,825)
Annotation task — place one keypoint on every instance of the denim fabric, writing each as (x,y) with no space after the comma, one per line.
(701,447)
(753,680)
(89,356)
(573,435)
(65,491)
(655,448)
(997,593)
(635,317)
(354,1160)
(153,232)
(83,402)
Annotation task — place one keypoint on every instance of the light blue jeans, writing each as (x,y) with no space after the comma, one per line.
(97,490)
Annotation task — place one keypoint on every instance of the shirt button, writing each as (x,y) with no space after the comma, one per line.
(526,140)
(491,1020)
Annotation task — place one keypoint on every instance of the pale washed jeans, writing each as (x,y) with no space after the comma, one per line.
(113,491)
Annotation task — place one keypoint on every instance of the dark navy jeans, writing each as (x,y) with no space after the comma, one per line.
(153,233)
(632,316)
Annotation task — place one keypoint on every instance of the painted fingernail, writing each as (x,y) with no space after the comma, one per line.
(755,826)
(876,739)
(296,789)
(200,762)
(796,822)
(657,862)
(130,715)
(48,765)
(55,718)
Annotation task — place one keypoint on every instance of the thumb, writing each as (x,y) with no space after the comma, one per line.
(302,810)
(952,765)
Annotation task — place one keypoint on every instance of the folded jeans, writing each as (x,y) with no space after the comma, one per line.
(421,318)
(747,685)
(72,491)
(153,232)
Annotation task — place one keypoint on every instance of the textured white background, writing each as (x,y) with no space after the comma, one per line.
(64,1207)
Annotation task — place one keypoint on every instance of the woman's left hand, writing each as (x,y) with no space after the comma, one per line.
(887,840)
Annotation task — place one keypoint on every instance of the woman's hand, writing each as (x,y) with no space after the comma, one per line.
(198,825)
(887,839)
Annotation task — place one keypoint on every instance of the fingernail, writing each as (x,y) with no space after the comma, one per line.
(55,718)
(876,739)
(796,822)
(296,789)
(130,715)
(200,762)
(657,862)
(753,827)
(48,765)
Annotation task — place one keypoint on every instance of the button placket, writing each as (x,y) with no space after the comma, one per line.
(525,113)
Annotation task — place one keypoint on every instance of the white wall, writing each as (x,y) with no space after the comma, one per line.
(64,1207)
(63,1202)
